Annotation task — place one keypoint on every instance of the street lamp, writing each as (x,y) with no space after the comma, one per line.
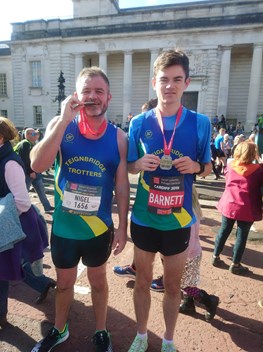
(61,91)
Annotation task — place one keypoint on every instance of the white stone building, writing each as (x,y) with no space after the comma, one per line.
(223,38)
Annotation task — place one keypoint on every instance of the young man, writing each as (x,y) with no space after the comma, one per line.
(168,146)
(90,161)
(219,144)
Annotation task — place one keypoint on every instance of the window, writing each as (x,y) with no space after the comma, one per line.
(37,112)
(3,84)
(190,100)
(3,113)
(36,74)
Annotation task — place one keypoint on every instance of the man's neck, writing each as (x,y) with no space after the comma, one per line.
(169,109)
(95,126)
(30,141)
(94,122)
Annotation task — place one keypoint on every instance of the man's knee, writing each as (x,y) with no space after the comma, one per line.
(97,277)
(172,287)
(65,284)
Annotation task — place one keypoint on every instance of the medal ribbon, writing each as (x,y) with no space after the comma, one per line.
(167,148)
(84,127)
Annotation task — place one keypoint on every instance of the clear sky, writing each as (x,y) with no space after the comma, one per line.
(25,10)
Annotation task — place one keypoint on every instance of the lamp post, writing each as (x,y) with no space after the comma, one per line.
(61,91)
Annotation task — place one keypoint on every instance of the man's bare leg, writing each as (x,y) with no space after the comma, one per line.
(99,294)
(141,294)
(64,295)
(173,269)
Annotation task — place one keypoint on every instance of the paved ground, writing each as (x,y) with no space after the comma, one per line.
(237,326)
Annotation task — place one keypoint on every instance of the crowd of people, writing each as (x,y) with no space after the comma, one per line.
(92,159)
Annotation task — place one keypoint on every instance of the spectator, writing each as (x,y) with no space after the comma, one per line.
(23,149)
(30,248)
(241,202)
(238,139)
(239,129)
(219,144)
(227,145)
(191,274)
(222,122)
(215,167)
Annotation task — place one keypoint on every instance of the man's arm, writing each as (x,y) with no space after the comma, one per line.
(186,165)
(122,189)
(149,162)
(44,153)
(222,146)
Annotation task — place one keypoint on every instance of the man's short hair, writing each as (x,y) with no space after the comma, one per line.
(29,130)
(92,71)
(170,58)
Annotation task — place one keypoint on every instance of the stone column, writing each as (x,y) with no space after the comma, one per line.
(127,85)
(78,64)
(224,81)
(154,55)
(103,61)
(254,87)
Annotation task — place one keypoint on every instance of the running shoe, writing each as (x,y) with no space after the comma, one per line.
(139,345)
(239,269)
(102,341)
(124,271)
(53,339)
(157,284)
(168,347)
(216,261)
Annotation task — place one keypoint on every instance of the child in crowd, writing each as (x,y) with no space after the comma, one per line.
(191,274)
(241,203)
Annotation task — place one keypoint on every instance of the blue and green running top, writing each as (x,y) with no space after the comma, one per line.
(84,181)
(192,138)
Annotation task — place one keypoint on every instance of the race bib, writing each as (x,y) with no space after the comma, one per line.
(166,195)
(81,199)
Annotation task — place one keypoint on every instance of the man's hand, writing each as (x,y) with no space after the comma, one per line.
(70,107)
(119,241)
(186,165)
(33,175)
(149,162)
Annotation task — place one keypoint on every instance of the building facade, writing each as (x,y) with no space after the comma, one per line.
(223,39)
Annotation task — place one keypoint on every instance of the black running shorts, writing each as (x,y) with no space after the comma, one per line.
(166,242)
(66,253)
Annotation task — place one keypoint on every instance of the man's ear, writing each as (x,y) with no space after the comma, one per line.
(154,83)
(187,82)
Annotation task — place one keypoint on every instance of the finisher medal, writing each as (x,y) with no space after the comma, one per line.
(166,162)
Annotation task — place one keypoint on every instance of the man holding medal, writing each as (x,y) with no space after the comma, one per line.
(90,162)
(168,146)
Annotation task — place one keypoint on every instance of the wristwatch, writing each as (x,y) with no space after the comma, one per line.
(202,168)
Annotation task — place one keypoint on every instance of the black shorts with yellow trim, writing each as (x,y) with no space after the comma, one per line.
(66,253)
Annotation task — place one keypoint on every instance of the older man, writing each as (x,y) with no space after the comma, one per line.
(23,149)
